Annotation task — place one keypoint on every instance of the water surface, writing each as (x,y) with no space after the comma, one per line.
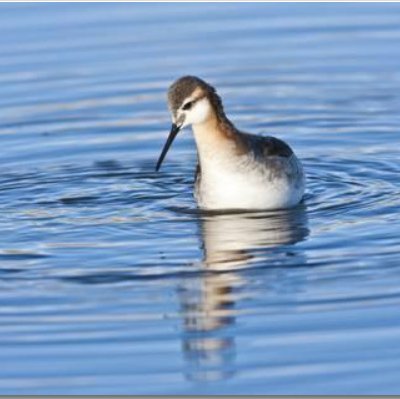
(111,282)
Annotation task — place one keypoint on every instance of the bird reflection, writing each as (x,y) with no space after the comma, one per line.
(231,243)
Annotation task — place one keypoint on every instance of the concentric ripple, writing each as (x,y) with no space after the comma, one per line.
(113,282)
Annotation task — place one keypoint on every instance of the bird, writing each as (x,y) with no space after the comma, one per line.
(235,170)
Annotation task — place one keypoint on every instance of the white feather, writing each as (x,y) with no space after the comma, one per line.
(234,186)
(199,112)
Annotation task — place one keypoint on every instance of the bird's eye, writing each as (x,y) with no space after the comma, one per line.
(188,105)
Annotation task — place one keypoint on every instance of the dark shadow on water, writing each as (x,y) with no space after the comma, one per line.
(18,255)
(231,243)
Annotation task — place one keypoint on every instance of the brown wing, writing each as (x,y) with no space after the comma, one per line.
(268,146)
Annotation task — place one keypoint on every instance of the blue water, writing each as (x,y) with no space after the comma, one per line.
(112,283)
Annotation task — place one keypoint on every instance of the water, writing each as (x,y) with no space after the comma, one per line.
(112,283)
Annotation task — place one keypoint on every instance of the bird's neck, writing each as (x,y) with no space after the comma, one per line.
(216,138)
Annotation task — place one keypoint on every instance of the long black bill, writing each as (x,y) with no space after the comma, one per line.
(172,134)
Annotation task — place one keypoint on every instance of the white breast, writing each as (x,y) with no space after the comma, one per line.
(245,184)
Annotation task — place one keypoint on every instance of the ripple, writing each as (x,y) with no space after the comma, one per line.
(112,278)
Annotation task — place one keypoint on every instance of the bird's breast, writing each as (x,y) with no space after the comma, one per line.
(245,183)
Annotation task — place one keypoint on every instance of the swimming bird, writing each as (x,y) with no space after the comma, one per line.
(235,170)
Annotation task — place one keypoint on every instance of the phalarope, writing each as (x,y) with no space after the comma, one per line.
(235,170)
